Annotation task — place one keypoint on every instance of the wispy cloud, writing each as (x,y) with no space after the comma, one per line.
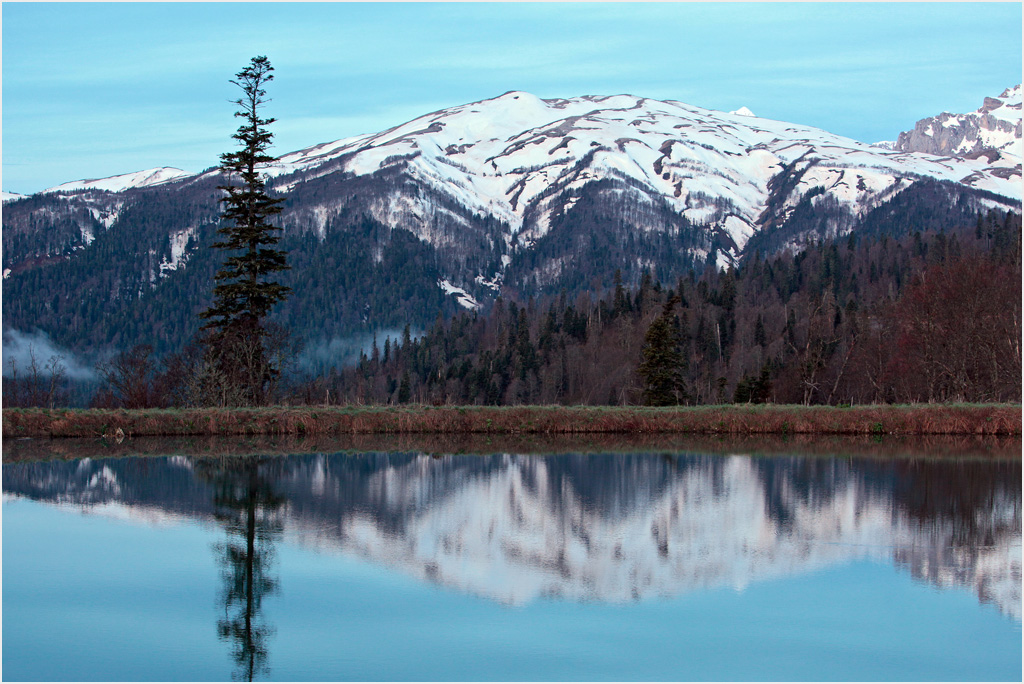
(22,349)
(345,351)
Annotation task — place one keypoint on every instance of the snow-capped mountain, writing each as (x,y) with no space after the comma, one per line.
(525,161)
(993,131)
(514,193)
(126,181)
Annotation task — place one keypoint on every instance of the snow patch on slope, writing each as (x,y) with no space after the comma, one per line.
(107,215)
(462,297)
(179,245)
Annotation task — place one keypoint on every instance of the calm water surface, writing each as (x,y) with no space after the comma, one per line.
(412,566)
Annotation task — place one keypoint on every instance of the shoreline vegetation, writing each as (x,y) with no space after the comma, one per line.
(735,420)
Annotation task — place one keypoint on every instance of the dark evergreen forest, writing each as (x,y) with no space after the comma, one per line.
(913,305)
(930,316)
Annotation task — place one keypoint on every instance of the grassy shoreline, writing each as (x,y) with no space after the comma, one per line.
(923,419)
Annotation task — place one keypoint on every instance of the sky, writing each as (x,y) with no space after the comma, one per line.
(92,90)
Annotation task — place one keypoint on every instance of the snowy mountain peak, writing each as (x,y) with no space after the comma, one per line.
(516,191)
(138,179)
(1006,107)
(525,161)
(993,132)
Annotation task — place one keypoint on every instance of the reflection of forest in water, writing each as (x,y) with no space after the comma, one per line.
(615,527)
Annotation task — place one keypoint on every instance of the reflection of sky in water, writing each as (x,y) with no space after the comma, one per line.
(602,567)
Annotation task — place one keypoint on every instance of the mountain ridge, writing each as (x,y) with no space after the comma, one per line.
(996,109)
(511,195)
(508,175)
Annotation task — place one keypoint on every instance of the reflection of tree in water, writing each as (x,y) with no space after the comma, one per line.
(245,503)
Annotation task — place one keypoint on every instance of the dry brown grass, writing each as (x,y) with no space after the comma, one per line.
(959,419)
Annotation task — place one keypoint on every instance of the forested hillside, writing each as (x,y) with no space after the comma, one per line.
(932,316)
(929,316)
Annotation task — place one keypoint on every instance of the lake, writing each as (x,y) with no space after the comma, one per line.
(710,562)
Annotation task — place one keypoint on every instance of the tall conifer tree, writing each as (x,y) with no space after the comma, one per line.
(236,337)
(662,364)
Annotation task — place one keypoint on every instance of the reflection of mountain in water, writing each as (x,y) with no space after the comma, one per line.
(608,528)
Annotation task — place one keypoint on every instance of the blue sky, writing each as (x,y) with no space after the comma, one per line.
(93,90)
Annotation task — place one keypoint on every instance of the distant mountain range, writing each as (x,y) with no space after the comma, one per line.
(514,194)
